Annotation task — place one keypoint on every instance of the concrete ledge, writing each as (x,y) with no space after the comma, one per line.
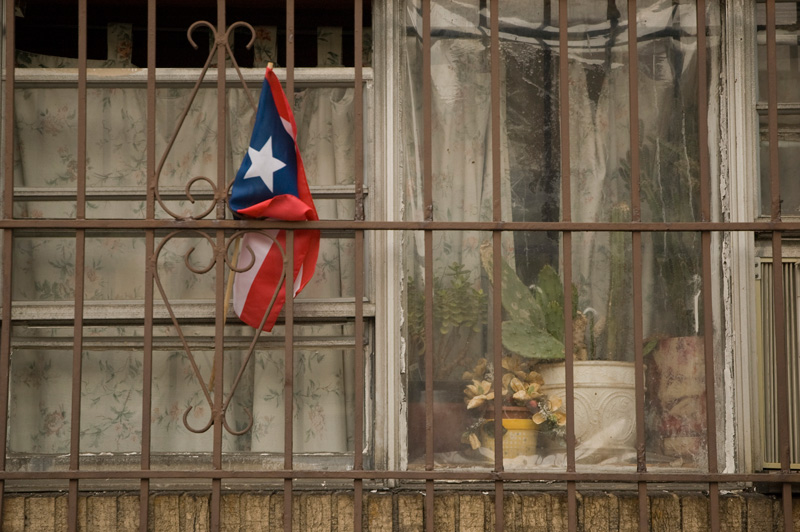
(401,511)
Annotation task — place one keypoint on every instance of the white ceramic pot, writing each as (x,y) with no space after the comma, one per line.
(604,403)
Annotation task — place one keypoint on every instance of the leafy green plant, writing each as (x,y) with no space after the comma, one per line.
(534,324)
(459,313)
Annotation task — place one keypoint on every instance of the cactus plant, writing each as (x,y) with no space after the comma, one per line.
(535,325)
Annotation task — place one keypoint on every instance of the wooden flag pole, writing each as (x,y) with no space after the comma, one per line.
(228,291)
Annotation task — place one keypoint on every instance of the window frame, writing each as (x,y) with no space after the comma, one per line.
(39,313)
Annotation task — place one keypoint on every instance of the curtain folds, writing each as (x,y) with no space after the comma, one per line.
(44,270)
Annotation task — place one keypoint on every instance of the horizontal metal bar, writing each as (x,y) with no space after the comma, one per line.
(114,311)
(172,343)
(137,77)
(791,225)
(134,233)
(167,193)
(591,476)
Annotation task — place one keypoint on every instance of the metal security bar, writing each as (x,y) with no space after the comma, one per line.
(219,230)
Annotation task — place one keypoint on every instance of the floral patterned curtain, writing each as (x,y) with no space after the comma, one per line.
(44,269)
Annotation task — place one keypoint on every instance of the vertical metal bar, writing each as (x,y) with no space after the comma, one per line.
(9,47)
(708,349)
(8,236)
(219,288)
(5,332)
(427,191)
(290,51)
(566,215)
(705,215)
(80,256)
(358,107)
(288,385)
(772,114)
(781,365)
(702,113)
(494,20)
(633,96)
(150,266)
(636,257)
(427,106)
(358,170)
(781,369)
(497,215)
(358,416)
(428,243)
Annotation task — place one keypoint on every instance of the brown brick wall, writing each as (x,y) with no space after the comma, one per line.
(394,512)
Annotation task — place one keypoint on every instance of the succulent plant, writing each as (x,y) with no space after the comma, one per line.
(459,313)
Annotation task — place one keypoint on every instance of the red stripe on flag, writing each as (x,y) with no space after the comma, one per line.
(257,290)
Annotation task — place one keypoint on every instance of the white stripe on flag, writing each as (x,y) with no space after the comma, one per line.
(260,244)
(288,127)
(298,281)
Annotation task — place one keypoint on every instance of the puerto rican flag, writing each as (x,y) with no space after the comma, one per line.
(271,184)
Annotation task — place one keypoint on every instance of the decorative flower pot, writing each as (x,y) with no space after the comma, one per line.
(519,438)
(676,391)
(604,405)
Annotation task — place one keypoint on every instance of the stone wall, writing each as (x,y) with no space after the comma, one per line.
(400,511)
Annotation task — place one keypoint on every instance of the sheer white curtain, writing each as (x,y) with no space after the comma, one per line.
(46,127)
(599,117)
(599,141)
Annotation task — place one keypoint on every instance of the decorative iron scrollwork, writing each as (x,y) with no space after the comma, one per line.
(220,196)
(201,270)
(219,42)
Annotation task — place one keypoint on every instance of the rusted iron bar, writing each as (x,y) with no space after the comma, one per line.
(636,258)
(288,384)
(219,278)
(38,224)
(781,364)
(706,215)
(497,215)
(288,265)
(149,269)
(478,476)
(80,258)
(359,379)
(358,107)
(358,172)
(427,193)
(566,216)
(8,93)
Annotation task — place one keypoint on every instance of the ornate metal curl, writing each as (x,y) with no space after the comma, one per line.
(235,268)
(218,42)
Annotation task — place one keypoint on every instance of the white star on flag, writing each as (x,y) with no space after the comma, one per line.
(263,164)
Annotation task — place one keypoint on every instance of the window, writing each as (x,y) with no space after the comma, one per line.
(603,190)
(779,152)
(120,323)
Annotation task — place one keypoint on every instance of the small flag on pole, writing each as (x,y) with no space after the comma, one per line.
(271,184)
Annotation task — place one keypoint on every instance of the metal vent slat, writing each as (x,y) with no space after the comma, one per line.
(791,281)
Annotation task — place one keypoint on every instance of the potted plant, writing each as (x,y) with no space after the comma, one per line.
(525,407)
(459,316)
(604,402)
